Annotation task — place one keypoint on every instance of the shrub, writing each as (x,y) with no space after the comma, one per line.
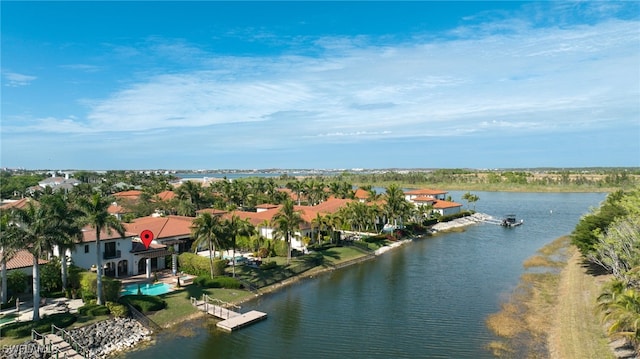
(117,309)
(93,310)
(198,265)
(23,329)
(17,282)
(50,278)
(144,303)
(217,282)
(88,287)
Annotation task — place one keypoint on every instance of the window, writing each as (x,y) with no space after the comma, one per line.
(110,249)
(86,248)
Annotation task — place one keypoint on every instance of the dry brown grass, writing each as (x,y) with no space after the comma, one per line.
(541,261)
(550,314)
(577,331)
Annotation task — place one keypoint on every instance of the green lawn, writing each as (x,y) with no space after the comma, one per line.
(179,304)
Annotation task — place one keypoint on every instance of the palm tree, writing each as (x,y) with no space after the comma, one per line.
(35,228)
(621,310)
(96,215)
(286,222)
(296,187)
(320,224)
(470,198)
(207,229)
(70,228)
(8,248)
(396,206)
(234,227)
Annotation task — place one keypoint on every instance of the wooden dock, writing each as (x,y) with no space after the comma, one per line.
(231,320)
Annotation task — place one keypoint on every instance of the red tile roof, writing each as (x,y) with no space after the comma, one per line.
(424,199)
(166,195)
(22,259)
(115,208)
(89,234)
(425,192)
(133,194)
(19,204)
(162,227)
(361,194)
(440,204)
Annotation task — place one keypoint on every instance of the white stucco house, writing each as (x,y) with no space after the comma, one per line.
(121,256)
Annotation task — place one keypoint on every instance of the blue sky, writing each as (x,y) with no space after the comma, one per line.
(206,85)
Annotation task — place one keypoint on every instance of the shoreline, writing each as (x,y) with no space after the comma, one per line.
(149,338)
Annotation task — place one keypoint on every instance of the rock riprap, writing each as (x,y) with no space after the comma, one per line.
(100,339)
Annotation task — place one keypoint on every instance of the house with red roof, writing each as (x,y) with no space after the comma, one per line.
(168,232)
(23,261)
(434,198)
(121,256)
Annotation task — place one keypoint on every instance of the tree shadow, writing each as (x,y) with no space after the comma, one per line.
(594,269)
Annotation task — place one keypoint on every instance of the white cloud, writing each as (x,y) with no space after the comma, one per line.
(14,79)
(508,76)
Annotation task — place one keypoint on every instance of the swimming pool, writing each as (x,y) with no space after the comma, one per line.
(146,289)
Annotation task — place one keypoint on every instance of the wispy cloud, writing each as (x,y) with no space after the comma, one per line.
(524,73)
(82,67)
(536,76)
(14,79)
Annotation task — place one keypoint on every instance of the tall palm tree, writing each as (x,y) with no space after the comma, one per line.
(68,219)
(9,245)
(296,187)
(320,224)
(396,206)
(207,229)
(35,228)
(287,222)
(95,213)
(234,227)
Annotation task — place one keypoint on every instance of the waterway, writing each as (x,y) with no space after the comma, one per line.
(428,299)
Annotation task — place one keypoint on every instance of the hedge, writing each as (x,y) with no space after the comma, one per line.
(198,265)
(93,310)
(144,303)
(23,329)
(217,282)
(117,309)
(88,287)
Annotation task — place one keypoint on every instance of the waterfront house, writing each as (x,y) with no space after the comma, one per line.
(168,232)
(433,198)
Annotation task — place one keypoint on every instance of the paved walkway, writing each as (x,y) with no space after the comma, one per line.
(51,306)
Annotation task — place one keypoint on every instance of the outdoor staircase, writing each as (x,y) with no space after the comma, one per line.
(57,346)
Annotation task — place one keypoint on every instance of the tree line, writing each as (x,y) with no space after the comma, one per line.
(609,238)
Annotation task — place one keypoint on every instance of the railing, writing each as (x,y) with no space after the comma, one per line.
(112,255)
(67,337)
(143,319)
(220,305)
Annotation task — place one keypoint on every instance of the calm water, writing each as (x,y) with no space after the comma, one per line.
(428,299)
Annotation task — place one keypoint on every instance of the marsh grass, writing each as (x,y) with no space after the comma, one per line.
(550,311)
(527,316)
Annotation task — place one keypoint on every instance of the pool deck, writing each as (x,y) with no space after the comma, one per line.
(163,276)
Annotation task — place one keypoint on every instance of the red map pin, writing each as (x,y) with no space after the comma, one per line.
(146,236)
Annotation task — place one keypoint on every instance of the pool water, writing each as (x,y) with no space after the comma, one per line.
(146,289)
